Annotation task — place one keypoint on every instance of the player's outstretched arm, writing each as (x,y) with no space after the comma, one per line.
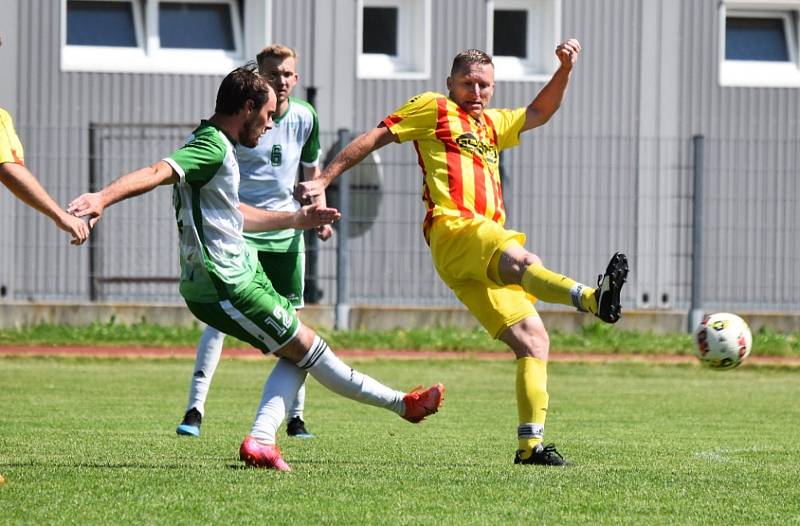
(548,100)
(324,232)
(351,155)
(27,188)
(135,183)
(309,216)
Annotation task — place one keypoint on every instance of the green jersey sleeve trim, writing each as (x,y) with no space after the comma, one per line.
(309,156)
(176,167)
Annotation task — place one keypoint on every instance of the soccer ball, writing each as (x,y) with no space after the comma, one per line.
(722,340)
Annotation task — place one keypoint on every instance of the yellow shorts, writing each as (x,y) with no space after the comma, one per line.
(461,250)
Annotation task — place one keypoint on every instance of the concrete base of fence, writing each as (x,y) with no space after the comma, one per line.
(22,314)
(381,318)
(19,314)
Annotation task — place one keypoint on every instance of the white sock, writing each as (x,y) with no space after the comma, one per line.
(299,404)
(209,350)
(331,372)
(279,393)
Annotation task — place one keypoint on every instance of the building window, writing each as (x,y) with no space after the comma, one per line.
(186,25)
(154,36)
(510,33)
(101,24)
(522,38)
(394,38)
(759,47)
(757,38)
(380,30)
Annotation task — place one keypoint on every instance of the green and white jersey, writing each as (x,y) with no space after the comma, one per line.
(270,169)
(216,262)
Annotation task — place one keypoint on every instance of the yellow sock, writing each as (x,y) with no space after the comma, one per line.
(532,399)
(556,288)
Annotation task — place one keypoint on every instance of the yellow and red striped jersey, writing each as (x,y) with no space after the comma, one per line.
(458,154)
(10,146)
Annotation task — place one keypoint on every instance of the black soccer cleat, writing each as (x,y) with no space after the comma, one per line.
(609,286)
(296,428)
(543,456)
(191,423)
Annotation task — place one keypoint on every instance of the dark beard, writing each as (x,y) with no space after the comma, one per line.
(250,135)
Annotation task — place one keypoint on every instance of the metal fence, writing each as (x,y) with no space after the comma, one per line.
(578,199)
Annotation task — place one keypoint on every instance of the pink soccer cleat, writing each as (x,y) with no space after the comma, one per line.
(420,404)
(260,455)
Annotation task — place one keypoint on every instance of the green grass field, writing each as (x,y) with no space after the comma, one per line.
(596,338)
(87,441)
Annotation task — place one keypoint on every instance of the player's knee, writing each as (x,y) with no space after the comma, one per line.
(540,343)
(529,338)
(537,338)
(296,349)
(512,265)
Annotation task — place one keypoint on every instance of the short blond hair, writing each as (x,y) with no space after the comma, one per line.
(468,57)
(278,51)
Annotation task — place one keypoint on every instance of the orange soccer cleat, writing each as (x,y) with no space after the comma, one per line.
(420,404)
(260,455)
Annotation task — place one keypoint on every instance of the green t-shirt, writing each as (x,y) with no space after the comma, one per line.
(216,262)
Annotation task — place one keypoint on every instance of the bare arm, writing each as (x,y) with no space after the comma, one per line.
(27,188)
(310,173)
(324,232)
(129,185)
(310,216)
(548,100)
(351,155)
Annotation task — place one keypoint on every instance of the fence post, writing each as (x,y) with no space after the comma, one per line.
(696,305)
(93,186)
(311,291)
(343,244)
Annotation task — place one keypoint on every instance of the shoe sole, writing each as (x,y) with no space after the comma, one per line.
(531,462)
(440,402)
(252,461)
(188,431)
(519,462)
(616,274)
(566,464)
(438,405)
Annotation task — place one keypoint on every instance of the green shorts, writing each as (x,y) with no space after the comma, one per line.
(286,272)
(258,315)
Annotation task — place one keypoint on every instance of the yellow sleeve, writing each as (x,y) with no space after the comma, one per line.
(10,146)
(414,120)
(508,125)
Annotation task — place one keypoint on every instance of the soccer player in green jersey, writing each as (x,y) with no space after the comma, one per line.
(268,174)
(221,279)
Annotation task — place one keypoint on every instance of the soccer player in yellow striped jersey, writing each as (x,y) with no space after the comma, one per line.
(458,139)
